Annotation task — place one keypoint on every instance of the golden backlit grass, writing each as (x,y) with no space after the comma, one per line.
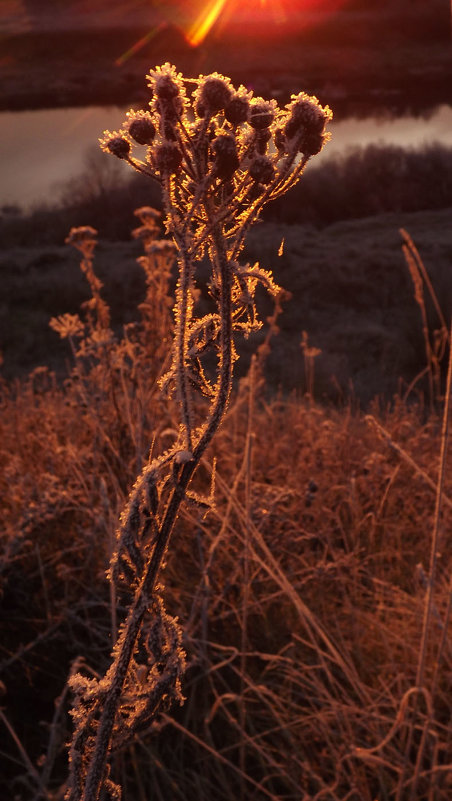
(302,593)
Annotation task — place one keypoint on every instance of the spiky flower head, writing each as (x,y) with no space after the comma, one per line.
(306,115)
(226,160)
(116,143)
(262,113)
(140,127)
(237,110)
(168,93)
(261,170)
(213,93)
(312,142)
(168,158)
(165,82)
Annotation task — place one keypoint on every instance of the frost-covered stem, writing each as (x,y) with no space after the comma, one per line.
(125,646)
(278,187)
(210,168)
(181,340)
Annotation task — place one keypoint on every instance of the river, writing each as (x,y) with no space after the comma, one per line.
(41,150)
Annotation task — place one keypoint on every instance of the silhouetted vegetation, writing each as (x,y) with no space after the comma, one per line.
(360,183)
(370,180)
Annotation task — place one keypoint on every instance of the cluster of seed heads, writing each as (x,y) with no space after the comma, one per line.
(217,135)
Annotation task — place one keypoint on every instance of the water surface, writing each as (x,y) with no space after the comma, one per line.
(40,150)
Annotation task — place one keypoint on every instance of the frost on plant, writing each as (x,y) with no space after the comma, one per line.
(220,155)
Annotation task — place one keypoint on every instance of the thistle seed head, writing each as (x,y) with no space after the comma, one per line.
(306,115)
(279,139)
(237,110)
(226,160)
(170,108)
(141,128)
(214,93)
(166,87)
(255,191)
(115,143)
(261,170)
(262,113)
(168,158)
(200,109)
(312,143)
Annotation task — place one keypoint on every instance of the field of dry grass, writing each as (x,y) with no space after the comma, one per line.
(302,593)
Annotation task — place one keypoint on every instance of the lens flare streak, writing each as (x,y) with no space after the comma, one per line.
(204,22)
(139,44)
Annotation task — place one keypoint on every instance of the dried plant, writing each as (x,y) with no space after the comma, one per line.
(436,342)
(220,155)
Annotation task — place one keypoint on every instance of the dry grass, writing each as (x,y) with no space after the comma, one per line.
(303,592)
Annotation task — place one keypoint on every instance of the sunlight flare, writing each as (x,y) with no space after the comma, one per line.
(204,22)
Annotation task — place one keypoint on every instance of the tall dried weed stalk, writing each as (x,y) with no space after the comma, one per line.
(220,155)
(436,341)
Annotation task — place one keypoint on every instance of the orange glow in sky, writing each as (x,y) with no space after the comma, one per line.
(204,22)
(274,11)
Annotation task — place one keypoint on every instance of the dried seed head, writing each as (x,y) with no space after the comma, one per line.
(141,128)
(168,91)
(200,109)
(84,233)
(306,115)
(255,191)
(146,213)
(279,139)
(237,110)
(170,110)
(226,160)
(214,93)
(166,87)
(262,113)
(115,143)
(312,143)
(168,158)
(261,170)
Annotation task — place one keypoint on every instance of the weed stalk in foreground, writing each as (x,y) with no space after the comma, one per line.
(220,155)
